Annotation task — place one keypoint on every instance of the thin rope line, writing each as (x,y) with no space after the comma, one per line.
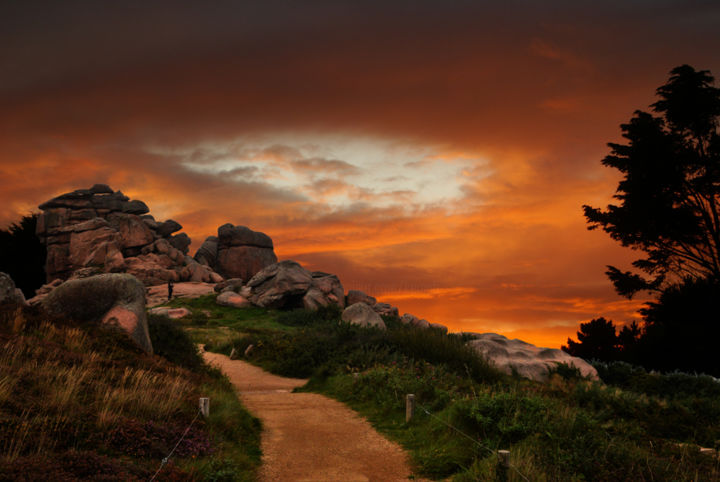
(167,458)
(468,437)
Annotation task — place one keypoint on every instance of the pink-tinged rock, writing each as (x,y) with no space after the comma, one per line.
(525,359)
(93,247)
(243,261)
(385,309)
(232,284)
(57,262)
(281,285)
(409,319)
(326,289)
(116,299)
(151,269)
(357,296)
(133,231)
(362,315)
(172,313)
(230,298)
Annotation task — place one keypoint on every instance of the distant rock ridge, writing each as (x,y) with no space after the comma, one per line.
(103,231)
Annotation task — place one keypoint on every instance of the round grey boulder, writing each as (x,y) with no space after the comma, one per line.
(362,315)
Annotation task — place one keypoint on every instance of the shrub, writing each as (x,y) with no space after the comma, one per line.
(171,342)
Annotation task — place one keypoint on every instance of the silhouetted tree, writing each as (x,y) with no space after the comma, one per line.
(682,329)
(22,255)
(669,197)
(597,340)
(629,343)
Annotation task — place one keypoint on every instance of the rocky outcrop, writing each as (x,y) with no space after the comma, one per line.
(357,296)
(287,285)
(281,285)
(104,229)
(230,298)
(232,284)
(237,252)
(9,293)
(326,289)
(363,315)
(383,309)
(525,359)
(116,299)
(412,320)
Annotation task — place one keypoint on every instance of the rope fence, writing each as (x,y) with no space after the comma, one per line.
(503,455)
(204,410)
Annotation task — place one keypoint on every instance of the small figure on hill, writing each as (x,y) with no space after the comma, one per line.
(170,289)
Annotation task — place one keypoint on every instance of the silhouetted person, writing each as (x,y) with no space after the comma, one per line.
(170,289)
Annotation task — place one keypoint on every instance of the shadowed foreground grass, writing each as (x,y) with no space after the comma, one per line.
(80,402)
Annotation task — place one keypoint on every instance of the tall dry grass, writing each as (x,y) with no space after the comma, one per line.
(54,381)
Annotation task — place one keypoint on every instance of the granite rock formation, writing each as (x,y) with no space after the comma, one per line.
(237,252)
(287,285)
(104,229)
(525,359)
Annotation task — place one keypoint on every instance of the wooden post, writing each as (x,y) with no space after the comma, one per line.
(205,407)
(409,407)
(503,464)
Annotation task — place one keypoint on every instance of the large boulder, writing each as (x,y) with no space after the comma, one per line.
(362,314)
(9,293)
(525,359)
(281,285)
(326,289)
(242,252)
(116,299)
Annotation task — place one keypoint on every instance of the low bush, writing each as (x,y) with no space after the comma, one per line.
(170,341)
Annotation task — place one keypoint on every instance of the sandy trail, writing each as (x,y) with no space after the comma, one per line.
(309,437)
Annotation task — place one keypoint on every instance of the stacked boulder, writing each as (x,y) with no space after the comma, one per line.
(103,230)
(285,285)
(237,252)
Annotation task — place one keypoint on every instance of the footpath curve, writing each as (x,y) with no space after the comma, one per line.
(310,437)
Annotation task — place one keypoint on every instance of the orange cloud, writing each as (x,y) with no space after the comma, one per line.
(524,124)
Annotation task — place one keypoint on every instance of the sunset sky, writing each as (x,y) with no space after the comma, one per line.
(434,154)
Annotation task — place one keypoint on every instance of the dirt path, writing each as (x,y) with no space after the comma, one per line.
(309,437)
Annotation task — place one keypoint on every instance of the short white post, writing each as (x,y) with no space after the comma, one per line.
(205,407)
(409,407)
(503,464)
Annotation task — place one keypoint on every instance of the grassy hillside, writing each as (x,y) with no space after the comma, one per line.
(79,402)
(638,426)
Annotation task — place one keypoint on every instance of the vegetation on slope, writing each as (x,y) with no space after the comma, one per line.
(569,429)
(81,402)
